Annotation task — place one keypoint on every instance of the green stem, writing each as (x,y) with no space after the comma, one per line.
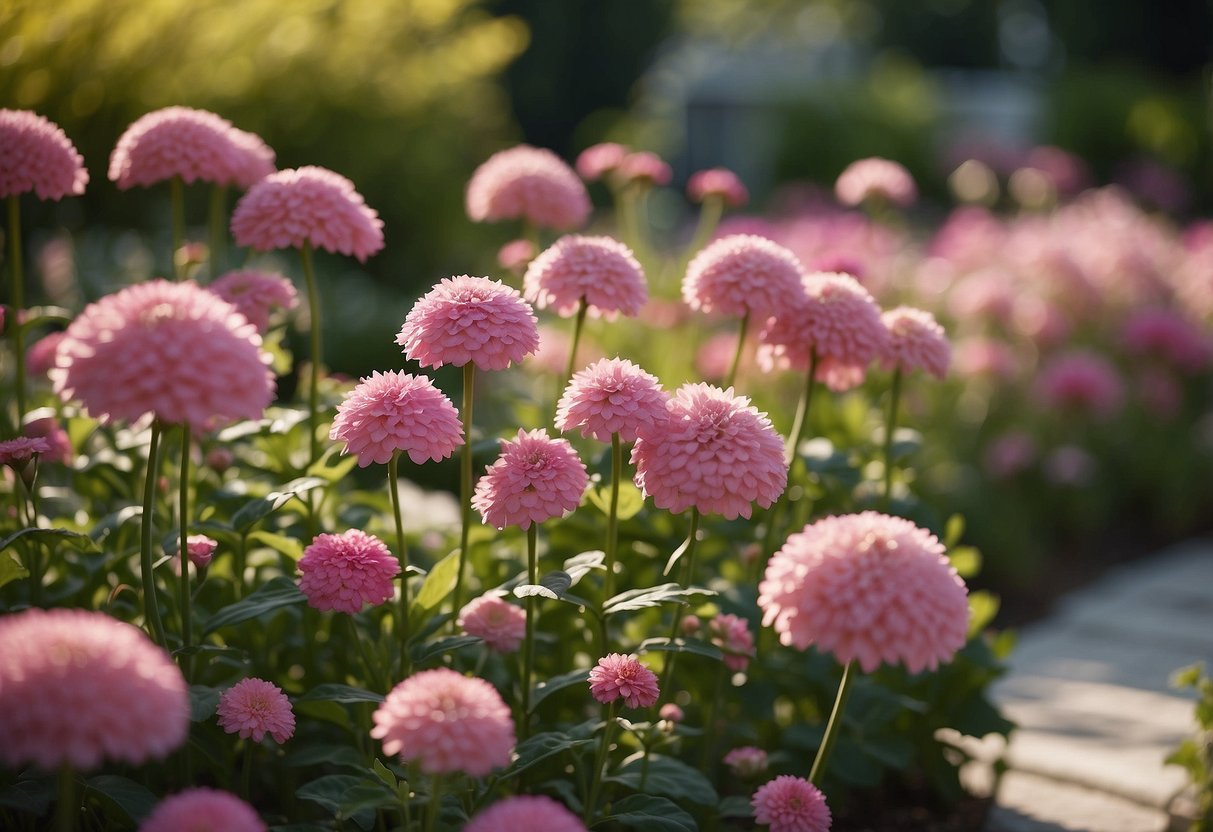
(890,427)
(626,204)
(218,229)
(151,609)
(465,487)
(432,808)
(600,761)
(671,656)
(796,434)
(709,720)
(176,190)
(578,323)
(528,654)
(709,217)
(833,726)
(27,515)
(246,770)
(68,806)
(17,301)
(612,541)
(313,391)
(372,667)
(403,555)
(238,563)
(183,552)
(745,325)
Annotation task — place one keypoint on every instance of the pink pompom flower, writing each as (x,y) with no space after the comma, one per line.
(345,571)
(866,179)
(516,255)
(202,810)
(791,804)
(599,270)
(916,342)
(617,676)
(1169,336)
(40,357)
(598,160)
(394,411)
(534,479)
(447,722)
(670,712)
(48,428)
(1082,382)
(17,452)
(78,688)
(200,549)
(743,273)
(612,396)
(720,183)
(500,624)
(869,588)
(253,708)
(526,813)
(731,633)
(746,761)
(36,155)
(643,169)
(531,184)
(256,294)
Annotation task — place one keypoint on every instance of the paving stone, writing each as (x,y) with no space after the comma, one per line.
(1029,803)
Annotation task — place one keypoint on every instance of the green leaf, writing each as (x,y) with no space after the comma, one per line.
(424,652)
(344,795)
(50,537)
(532,590)
(639,599)
(545,689)
(954,530)
(578,566)
(534,750)
(978,717)
(333,466)
(275,594)
(682,645)
(735,806)
(131,797)
(288,546)
(32,796)
(631,500)
(438,584)
(345,694)
(203,701)
(326,754)
(11,569)
(384,773)
(647,812)
(262,507)
(966,560)
(983,606)
(668,777)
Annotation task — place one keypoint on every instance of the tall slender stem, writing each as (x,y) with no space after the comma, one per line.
(68,805)
(403,554)
(465,485)
(183,551)
(578,323)
(600,761)
(709,217)
(218,230)
(612,541)
(27,515)
(151,609)
(17,302)
(671,656)
(434,806)
(833,726)
(745,325)
(176,190)
(313,387)
(890,428)
(801,420)
(246,770)
(528,654)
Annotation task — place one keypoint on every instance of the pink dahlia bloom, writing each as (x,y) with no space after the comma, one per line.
(741,274)
(466,319)
(200,549)
(791,804)
(531,184)
(253,708)
(612,396)
(1083,382)
(516,255)
(731,633)
(916,342)
(56,437)
(79,687)
(172,350)
(1010,454)
(617,676)
(716,453)
(447,722)
(344,571)
(395,411)
(881,178)
(1169,336)
(17,452)
(746,761)
(256,294)
(526,813)
(643,168)
(500,624)
(202,810)
(599,160)
(720,183)
(40,359)
(868,588)
(600,270)
(835,316)
(36,155)
(536,478)
(196,145)
(307,205)
(671,713)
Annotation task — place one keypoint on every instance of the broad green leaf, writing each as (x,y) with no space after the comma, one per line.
(32,796)
(329,754)
(966,560)
(345,694)
(344,795)
(384,773)
(954,530)
(735,806)
(631,500)
(682,645)
(333,466)
(639,599)
(438,584)
(668,777)
(262,507)
(288,546)
(545,689)
(424,652)
(50,537)
(275,594)
(11,569)
(131,797)
(578,566)
(650,813)
(203,701)
(534,750)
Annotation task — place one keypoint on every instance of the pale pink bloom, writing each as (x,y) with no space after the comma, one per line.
(717,453)
(599,270)
(690,624)
(531,184)
(834,316)
(40,358)
(56,437)
(617,676)
(643,168)
(989,294)
(1067,172)
(671,712)
(742,274)
(36,155)
(345,571)
(612,396)
(500,624)
(466,319)
(869,588)
(202,810)
(1010,454)
(534,479)
(731,633)
(746,761)
(253,708)
(394,411)
(1170,337)
(253,159)
(598,160)
(1069,465)
(78,688)
(1081,381)
(720,183)
(553,352)
(838,376)
(916,342)
(200,549)
(526,813)
(447,722)
(791,804)
(979,356)
(307,205)
(17,452)
(516,255)
(874,177)
(172,350)
(714,357)
(256,294)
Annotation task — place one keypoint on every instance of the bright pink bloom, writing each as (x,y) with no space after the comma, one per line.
(535,479)
(202,810)
(256,294)
(307,205)
(1083,382)
(791,804)
(612,396)
(867,178)
(599,270)
(617,676)
(598,160)
(671,712)
(516,255)
(40,358)
(56,437)
(253,708)
(446,721)
(526,813)
(717,182)
(741,274)
(395,411)
(200,549)
(869,588)
(79,687)
(500,624)
(643,168)
(1169,336)
(466,319)
(344,571)
(36,155)
(17,452)
(716,453)
(731,633)
(1009,454)
(835,317)
(916,342)
(173,350)
(531,184)
(746,761)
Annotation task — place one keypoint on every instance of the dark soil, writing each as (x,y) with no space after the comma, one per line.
(969,815)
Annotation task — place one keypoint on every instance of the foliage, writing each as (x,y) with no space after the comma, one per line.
(1195,754)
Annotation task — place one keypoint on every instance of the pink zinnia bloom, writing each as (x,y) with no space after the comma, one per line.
(446,721)
(516,255)
(875,177)
(40,358)
(598,160)
(671,712)
(1169,336)
(1081,381)
(500,624)
(731,633)
(868,588)
(307,205)
(916,342)
(202,810)
(395,411)
(256,294)
(56,437)
(466,319)
(36,155)
(526,813)
(612,396)
(535,479)
(716,453)
(79,687)
(643,168)
(743,273)
(17,452)
(1009,454)
(791,804)
(600,270)
(531,184)
(746,761)
(835,316)
(717,182)
(344,571)
(617,676)
(253,708)
(200,549)
(173,350)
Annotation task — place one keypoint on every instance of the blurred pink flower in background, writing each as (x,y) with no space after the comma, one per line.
(617,676)
(988,294)
(253,708)
(1069,465)
(256,294)
(746,761)
(472,319)
(1168,336)
(526,813)
(531,184)
(978,356)
(200,549)
(643,168)
(602,271)
(394,411)
(865,179)
(612,396)
(345,571)
(1159,391)
(671,712)
(500,624)
(1065,171)
(516,255)
(553,353)
(714,358)
(732,635)
(740,274)
(791,804)
(202,810)
(598,160)
(38,156)
(1010,454)
(1082,382)
(40,358)
(59,443)
(717,182)
(534,479)
(916,342)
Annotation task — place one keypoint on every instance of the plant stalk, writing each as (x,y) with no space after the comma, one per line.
(890,427)
(600,761)
(151,609)
(528,655)
(745,325)
(833,726)
(313,392)
(465,487)
(183,551)
(176,190)
(671,656)
(403,555)
(612,541)
(17,304)
(578,325)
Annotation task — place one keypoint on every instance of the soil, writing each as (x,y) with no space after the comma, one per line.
(968,815)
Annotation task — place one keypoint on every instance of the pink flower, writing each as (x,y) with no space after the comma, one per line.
(671,712)
(1010,454)
(791,804)
(743,273)
(526,813)
(447,722)
(219,459)
(643,168)
(395,411)
(200,549)
(38,156)
(980,356)
(56,437)
(835,316)
(40,358)
(916,341)
(531,184)
(720,183)
(552,356)
(1169,336)
(714,358)
(732,635)
(500,624)
(17,452)
(79,687)
(534,479)
(256,294)
(600,270)
(202,810)
(746,761)
(868,588)
(716,453)
(307,205)
(612,396)
(617,676)
(466,319)
(1083,382)
(598,160)
(172,350)
(344,571)
(867,178)
(516,255)
(253,708)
